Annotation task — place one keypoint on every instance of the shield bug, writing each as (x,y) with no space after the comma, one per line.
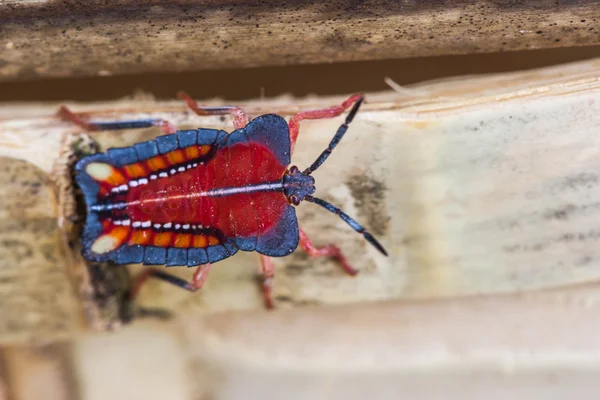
(195,197)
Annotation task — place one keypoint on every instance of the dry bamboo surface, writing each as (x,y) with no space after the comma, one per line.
(66,38)
(477,186)
(36,294)
(537,346)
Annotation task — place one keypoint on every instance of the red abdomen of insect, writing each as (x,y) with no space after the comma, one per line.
(214,194)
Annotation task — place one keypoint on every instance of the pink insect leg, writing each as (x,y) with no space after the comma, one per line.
(268,271)
(196,283)
(331,112)
(329,250)
(67,115)
(240,119)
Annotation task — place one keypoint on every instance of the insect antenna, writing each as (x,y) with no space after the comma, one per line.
(336,139)
(350,221)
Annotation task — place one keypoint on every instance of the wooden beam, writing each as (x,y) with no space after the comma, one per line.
(39,303)
(65,39)
(478,186)
(474,185)
(537,346)
(541,345)
(35,372)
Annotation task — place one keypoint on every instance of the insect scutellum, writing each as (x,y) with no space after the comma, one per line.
(300,185)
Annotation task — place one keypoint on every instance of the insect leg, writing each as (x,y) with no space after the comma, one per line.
(196,283)
(240,119)
(268,271)
(329,250)
(331,112)
(67,115)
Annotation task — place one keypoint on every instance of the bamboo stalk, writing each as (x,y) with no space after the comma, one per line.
(96,38)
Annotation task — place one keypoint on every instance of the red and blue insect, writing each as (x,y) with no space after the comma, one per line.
(196,197)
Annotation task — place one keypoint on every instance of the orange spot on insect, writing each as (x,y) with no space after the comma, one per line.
(182,240)
(120,232)
(116,179)
(135,170)
(162,239)
(212,240)
(141,236)
(200,241)
(192,152)
(175,157)
(205,149)
(156,163)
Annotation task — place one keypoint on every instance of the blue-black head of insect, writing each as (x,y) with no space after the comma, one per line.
(300,186)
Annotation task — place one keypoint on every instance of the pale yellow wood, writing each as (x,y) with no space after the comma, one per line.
(536,346)
(147,362)
(37,300)
(477,185)
(43,372)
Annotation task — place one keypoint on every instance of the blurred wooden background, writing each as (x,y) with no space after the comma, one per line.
(488,186)
(67,38)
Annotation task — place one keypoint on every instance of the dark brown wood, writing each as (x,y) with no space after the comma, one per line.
(69,38)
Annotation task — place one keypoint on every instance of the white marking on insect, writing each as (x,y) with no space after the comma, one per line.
(105,244)
(219,192)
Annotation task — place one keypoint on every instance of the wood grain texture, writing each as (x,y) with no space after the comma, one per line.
(536,346)
(485,191)
(62,38)
(38,303)
(480,185)
(39,372)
